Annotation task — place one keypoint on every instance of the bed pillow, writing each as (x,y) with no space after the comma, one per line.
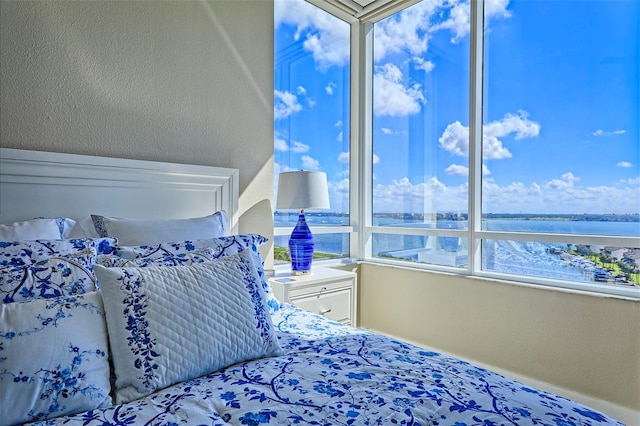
(222,246)
(202,255)
(170,324)
(29,252)
(58,276)
(70,376)
(153,231)
(37,229)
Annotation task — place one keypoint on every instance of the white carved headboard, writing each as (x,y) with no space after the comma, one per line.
(38,183)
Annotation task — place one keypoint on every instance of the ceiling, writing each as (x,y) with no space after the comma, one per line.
(362,9)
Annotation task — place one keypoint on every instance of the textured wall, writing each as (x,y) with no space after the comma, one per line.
(588,344)
(178,81)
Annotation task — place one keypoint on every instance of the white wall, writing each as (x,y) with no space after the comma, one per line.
(179,81)
(585,343)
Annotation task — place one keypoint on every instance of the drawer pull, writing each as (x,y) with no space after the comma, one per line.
(321,291)
(324,311)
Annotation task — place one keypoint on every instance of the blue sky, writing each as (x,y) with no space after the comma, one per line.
(561,108)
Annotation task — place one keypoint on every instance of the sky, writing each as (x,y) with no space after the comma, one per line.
(561,124)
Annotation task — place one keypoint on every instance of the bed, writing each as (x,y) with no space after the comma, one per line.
(135,326)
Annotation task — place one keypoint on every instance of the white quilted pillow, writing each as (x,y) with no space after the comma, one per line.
(170,324)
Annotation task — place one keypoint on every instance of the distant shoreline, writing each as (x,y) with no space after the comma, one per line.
(584,217)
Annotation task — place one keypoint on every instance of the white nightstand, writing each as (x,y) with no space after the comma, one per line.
(326,291)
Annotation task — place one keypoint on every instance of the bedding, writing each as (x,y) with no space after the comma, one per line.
(332,374)
(196,337)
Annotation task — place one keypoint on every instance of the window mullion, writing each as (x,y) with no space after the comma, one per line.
(361,138)
(475,133)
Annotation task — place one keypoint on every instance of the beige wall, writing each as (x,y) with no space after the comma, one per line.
(588,344)
(178,81)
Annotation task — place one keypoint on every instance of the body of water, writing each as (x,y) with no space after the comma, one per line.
(550,260)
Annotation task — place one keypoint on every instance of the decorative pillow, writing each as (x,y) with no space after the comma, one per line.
(70,376)
(84,229)
(222,246)
(28,252)
(58,276)
(154,231)
(41,228)
(170,324)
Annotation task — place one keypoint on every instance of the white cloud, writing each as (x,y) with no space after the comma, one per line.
(280,145)
(338,123)
(625,164)
(458,21)
(407,31)
(601,132)
(330,88)
(391,97)
(386,131)
(421,64)
(375,159)
(562,195)
(566,181)
(635,181)
(309,163)
(301,90)
(299,147)
(339,137)
(325,36)
(411,30)
(513,123)
(459,170)
(455,138)
(285,104)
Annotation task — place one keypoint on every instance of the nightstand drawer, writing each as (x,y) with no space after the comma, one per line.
(332,304)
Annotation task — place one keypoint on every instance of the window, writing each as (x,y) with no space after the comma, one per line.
(503,140)
(549,189)
(420,95)
(312,118)
(561,155)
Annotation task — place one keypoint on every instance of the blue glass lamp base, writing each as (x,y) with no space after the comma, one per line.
(301,246)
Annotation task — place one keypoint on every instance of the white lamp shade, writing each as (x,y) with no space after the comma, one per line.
(303,190)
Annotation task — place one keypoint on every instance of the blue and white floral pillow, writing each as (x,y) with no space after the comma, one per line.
(54,277)
(53,358)
(29,252)
(170,324)
(197,256)
(221,246)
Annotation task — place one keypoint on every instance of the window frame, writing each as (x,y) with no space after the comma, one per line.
(361,227)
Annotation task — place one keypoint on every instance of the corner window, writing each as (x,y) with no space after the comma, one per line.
(311,105)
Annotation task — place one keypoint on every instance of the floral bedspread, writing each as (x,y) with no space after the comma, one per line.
(337,375)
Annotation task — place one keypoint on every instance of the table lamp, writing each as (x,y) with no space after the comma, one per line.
(300,190)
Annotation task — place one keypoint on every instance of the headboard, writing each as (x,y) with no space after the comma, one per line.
(38,183)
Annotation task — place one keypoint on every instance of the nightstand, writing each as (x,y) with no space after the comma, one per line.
(325,291)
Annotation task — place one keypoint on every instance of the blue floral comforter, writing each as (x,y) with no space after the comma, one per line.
(337,375)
